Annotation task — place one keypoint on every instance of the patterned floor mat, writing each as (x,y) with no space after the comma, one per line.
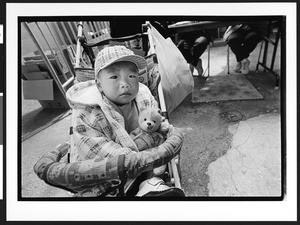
(224,88)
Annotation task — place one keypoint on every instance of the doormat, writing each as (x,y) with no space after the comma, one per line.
(224,88)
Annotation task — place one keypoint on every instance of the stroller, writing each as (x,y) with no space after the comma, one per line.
(84,71)
(151,78)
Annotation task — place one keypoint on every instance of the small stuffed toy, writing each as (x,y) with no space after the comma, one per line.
(150,119)
(148,135)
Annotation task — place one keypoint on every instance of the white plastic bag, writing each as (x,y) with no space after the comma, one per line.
(176,78)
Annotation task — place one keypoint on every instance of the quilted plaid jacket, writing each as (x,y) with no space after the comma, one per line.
(98,129)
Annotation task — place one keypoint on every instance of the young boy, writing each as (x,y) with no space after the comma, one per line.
(106,112)
(107,109)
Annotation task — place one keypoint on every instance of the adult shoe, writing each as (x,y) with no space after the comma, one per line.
(245,66)
(237,67)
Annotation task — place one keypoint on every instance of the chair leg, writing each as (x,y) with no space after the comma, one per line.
(259,56)
(208,60)
(228,71)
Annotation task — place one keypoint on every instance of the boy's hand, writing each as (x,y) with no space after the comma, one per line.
(42,164)
(171,130)
(164,127)
(63,148)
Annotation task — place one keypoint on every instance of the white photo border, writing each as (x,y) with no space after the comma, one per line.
(285,210)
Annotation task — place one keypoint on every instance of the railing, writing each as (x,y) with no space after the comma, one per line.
(55,42)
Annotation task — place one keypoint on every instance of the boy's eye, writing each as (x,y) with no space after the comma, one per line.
(133,76)
(113,77)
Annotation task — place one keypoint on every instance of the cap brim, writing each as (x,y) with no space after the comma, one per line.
(140,62)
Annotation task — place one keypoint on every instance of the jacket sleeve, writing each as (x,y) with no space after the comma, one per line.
(93,136)
(100,175)
(93,175)
(146,160)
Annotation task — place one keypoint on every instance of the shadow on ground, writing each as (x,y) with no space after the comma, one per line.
(39,119)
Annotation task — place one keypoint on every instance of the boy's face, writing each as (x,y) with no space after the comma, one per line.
(120,82)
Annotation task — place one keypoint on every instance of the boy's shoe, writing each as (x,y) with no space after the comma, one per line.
(159,170)
(245,66)
(156,187)
(238,67)
(199,68)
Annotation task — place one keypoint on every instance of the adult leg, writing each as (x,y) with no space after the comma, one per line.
(198,49)
(250,42)
(236,44)
(184,47)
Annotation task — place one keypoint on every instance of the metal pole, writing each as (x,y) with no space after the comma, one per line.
(71,28)
(59,34)
(97,25)
(57,61)
(259,55)
(228,59)
(275,46)
(208,60)
(67,33)
(61,52)
(78,47)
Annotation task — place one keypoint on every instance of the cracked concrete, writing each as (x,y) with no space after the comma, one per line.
(252,166)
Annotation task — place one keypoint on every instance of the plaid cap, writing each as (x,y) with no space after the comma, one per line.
(117,53)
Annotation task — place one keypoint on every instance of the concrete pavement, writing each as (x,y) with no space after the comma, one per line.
(252,166)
